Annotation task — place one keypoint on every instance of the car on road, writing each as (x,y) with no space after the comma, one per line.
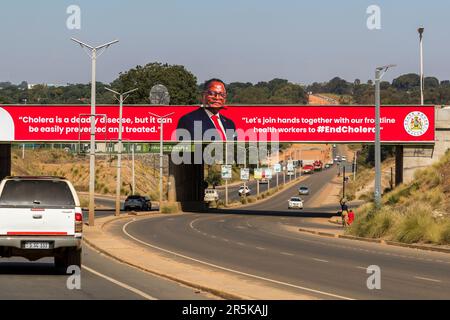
(344,158)
(135,202)
(244,191)
(40,217)
(308,169)
(303,190)
(295,203)
(211,195)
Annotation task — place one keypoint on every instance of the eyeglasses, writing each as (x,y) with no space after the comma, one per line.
(215,94)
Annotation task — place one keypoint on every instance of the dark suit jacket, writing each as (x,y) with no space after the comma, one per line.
(200,116)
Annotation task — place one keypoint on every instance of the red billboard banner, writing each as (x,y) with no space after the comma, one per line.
(284,123)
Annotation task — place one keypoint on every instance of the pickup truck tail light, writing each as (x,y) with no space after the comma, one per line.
(78,222)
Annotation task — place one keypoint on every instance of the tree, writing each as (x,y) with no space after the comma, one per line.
(181,83)
(408,81)
(431,82)
(338,86)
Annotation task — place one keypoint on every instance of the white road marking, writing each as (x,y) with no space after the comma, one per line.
(287,253)
(120,284)
(428,279)
(361,268)
(260,248)
(232,270)
(240,243)
(320,260)
(327,244)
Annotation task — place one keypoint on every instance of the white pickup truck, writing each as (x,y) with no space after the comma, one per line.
(40,217)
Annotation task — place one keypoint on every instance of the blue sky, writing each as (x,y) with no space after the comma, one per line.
(247,40)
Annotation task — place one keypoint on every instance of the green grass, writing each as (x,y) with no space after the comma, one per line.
(417,212)
(170,208)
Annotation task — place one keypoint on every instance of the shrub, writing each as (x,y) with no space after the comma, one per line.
(251,199)
(445,234)
(418,225)
(169,208)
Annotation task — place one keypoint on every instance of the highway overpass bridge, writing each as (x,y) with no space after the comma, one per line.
(188,178)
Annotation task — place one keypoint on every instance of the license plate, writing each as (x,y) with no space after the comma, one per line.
(37,245)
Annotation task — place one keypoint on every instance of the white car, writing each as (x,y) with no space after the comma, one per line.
(295,203)
(211,195)
(40,217)
(244,191)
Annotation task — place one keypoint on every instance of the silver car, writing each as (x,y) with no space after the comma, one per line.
(303,190)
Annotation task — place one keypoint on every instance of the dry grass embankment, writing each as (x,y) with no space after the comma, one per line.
(57,162)
(418,212)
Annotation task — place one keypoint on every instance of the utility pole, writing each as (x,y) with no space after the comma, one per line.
(161,154)
(379,72)
(95,52)
(122,98)
(421,30)
(343,181)
(133,182)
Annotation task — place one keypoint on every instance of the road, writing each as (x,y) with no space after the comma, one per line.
(101,278)
(263,241)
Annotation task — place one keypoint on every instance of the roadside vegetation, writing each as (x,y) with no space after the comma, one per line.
(418,212)
(58,162)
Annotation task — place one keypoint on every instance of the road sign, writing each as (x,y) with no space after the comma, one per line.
(267,173)
(290,166)
(226,171)
(257,173)
(168,148)
(245,174)
(277,168)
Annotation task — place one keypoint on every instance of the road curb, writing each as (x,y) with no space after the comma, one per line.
(320,233)
(218,293)
(379,241)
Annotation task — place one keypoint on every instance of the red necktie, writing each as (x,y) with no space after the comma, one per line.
(215,119)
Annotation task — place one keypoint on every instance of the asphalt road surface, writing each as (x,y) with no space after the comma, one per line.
(101,278)
(263,240)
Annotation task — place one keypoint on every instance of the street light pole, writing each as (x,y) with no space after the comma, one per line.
(122,98)
(421,30)
(94,55)
(379,72)
(161,128)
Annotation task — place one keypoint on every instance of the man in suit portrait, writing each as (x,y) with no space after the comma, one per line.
(207,122)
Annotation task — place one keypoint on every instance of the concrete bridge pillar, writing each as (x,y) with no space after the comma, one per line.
(188,180)
(5,160)
(398,165)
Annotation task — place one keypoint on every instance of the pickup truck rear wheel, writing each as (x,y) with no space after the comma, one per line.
(59,262)
(73,258)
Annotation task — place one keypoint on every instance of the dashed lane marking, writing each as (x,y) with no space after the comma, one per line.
(320,260)
(120,284)
(232,270)
(428,279)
